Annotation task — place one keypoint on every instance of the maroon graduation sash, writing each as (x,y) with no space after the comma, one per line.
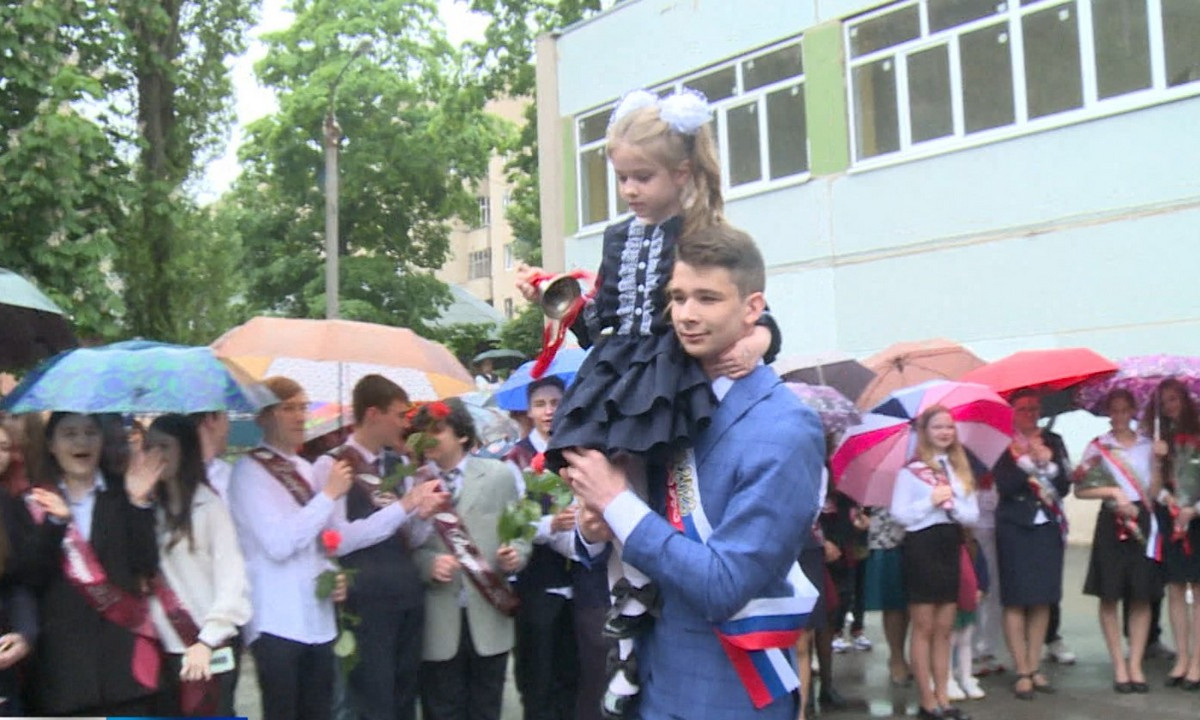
(83,571)
(494,588)
(285,472)
(366,478)
(196,697)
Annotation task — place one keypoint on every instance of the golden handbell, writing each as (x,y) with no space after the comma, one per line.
(557,294)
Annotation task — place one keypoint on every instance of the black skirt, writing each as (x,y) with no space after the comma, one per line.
(1119,569)
(1031,563)
(812,563)
(1178,565)
(638,393)
(931,564)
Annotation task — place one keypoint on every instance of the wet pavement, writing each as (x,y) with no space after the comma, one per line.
(1084,689)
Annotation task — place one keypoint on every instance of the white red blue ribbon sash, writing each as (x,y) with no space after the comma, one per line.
(1127,481)
(758,637)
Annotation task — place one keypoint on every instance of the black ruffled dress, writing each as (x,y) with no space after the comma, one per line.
(637,390)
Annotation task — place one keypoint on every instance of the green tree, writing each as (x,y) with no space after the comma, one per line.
(524,331)
(63,184)
(417,139)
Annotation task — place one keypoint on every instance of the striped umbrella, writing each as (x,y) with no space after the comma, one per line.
(866,462)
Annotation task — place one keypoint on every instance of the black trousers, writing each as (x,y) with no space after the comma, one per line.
(546,662)
(295,678)
(468,686)
(593,653)
(383,685)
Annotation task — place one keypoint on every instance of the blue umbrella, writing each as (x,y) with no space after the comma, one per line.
(138,377)
(512,394)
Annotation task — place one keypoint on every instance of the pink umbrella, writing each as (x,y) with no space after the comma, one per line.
(866,462)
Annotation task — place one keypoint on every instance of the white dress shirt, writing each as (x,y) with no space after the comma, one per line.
(364,532)
(912,504)
(219,471)
(279,540)
(83,508)
(208,574)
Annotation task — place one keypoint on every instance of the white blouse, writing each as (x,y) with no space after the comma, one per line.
(209,576)
(913,508)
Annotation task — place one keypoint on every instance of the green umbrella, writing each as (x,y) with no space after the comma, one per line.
(34,327)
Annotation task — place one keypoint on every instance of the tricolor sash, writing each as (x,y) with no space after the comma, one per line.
(1127,481)
(285,472)
(756,639)
(83,571)
(490,584)
(196,697)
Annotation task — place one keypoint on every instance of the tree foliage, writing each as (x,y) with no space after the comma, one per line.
(417,139)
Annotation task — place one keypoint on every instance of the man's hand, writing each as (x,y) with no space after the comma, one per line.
(592,527)
(593,478)
(508,559)
(13,649)
(564,520)
(426,499)
(444,567)
(341,476)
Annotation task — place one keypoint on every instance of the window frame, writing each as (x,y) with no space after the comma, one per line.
(1092,106)
(737,99)
(485,211)
(479,264)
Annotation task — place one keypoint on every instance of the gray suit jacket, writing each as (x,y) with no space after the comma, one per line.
(488,486)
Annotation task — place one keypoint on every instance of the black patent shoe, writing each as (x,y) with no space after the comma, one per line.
(831,699)
(952,713)
(934,714)
(621,627)
(1141,688)
(1123,688)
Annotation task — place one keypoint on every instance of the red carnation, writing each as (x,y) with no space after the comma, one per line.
(538,463)
(439,410)
(331,539)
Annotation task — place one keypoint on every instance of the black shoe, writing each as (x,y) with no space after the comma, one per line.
(1173,681)
(1123,688)
(1140,688)
(831,699)
(613,664)
(934,714)
(1023,694)
(952,713)
(1189,685)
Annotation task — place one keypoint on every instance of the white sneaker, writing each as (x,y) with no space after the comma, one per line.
(862,642)
(1060,653)
(970,686)
(841,645)
(954,691)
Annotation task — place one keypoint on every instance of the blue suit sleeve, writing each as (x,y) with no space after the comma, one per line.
(770,508)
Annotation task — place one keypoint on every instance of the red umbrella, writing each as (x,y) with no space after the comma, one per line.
(1043,371)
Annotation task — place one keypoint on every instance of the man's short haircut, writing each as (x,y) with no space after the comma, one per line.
(724,246)
(282,387)
(546,381)
(375,391)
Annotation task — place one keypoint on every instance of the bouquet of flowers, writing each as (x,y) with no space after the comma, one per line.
(1093,473)
(519,520)
(346,646)
(422,415)
(1186,469)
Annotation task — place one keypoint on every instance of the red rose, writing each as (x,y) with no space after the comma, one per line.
(331,539)
(538,463)
(439,410)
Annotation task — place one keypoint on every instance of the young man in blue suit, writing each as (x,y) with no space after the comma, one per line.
(728,526)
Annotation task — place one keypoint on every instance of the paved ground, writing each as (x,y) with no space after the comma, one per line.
(1084,689)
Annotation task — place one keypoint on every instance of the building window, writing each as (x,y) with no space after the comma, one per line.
(509,258)
(480,264)
(508,308)
(759,127)
(939,74)
(485,211)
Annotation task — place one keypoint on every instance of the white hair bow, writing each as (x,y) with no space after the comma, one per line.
(685,111)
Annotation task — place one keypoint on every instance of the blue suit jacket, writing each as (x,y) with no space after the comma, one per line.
(759,471)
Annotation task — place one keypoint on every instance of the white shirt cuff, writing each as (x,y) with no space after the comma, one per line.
(544,533)
(624,513)
(593,549)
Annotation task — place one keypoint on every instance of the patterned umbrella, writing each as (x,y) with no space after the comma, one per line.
(908,363)
(34,327)
(1141,375)
(866,462)
(137,377)
(327,357)
(836,411)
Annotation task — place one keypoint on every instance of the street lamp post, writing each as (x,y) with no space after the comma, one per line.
(333,141)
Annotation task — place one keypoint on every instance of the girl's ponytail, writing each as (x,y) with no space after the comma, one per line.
(706,205)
